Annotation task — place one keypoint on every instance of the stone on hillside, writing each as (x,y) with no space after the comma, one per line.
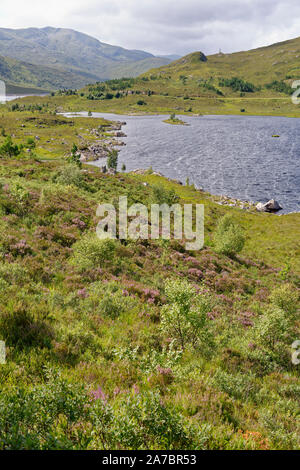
(270,206)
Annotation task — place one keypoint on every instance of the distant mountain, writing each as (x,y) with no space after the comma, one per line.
(170,56)
(65,57)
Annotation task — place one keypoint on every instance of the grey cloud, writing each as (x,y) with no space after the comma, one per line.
(166,26)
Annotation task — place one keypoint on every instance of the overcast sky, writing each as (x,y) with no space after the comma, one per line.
(164,26)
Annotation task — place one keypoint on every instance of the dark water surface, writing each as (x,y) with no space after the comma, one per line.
(231,155)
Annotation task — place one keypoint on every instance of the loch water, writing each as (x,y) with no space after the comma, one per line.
(235,156)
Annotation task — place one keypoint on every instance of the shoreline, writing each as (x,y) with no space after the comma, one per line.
(166,114)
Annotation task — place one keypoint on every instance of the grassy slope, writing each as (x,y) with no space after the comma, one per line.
(247,400)
(15,72)
(265,104)
(82,324)
(54,135)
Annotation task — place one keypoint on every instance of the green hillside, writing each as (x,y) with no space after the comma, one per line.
(67,58)
(15,72)
(252,82)
(279,61)
(137,344)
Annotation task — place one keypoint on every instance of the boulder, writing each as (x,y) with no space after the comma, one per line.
(270,206)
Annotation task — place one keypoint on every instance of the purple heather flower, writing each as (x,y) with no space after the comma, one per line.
(98,395)
(82,293)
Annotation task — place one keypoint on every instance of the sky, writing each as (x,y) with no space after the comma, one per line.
(164,26)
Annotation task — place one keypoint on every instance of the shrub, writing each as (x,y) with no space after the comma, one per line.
(241,386)
(13,273)
(75,343)
(18,327)
(70,175)
(229,239)
(3,285)
(104,299)
(90,251)
(30,143)
(184,318)
(112,160)
(273,327)
(279,86)
(20,198)
(74,158)
(161,195)
(286,298)
(112,305)
(60,415)
(238,84)
(141,422)
(38,418)
(9,149)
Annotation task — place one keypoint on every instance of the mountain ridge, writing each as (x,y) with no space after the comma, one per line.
(73,52)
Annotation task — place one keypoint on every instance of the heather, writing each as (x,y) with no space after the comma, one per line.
(142,344)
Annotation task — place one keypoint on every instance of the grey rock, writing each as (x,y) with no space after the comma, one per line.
(270,206)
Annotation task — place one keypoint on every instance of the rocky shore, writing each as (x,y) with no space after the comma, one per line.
(101,148)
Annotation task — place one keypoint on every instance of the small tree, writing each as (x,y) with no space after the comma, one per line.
(112,160)
(91,252)
(162,195)
(229,238)
(75,156)
(9,149)
(286,298)
(184,318)
(274,329)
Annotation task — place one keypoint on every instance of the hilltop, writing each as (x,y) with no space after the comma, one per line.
(279,61)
